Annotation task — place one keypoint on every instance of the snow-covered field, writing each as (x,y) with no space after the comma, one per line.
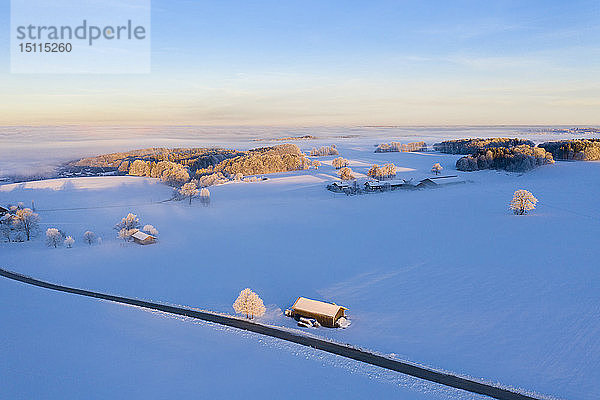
(447,277)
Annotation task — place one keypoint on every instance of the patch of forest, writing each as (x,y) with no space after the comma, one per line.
(207,165)
(399,147)
(575,149)
(471,146)
(513,159)
(193,158)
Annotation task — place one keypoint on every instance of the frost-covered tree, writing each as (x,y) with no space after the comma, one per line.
(89,237)
(53,237)
(515,159)
(189,190)
(26,221)
(340,162)
(241,305)
(397,146)
(388,171)
(176,175)
(374,171)
(69,242)
(257,307)
(137,168)
(125,234)
(346,174)
(238,177)
(151,230)
(249,303)
(385,172)
(131,221)
(5,228)
(522,202)
(205,196)
(436,169)
(218,178)
(316,164)
(324,151)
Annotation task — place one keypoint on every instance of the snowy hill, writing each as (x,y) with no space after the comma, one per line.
(447,277)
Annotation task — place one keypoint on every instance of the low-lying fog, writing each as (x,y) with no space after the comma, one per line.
(29,151)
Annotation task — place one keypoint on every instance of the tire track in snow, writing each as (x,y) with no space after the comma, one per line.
(344,350)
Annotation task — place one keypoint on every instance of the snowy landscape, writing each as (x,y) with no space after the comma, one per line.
(447,277)
(300,200)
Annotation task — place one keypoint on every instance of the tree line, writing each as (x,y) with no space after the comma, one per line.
(514,159)
(575,149)
(399,147)
(514,155)
(471,146)
(324,151)
(19,224)
(207,166)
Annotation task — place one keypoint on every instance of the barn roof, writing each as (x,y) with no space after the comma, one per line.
(443,177)
(391,182)
(139,235)
(2,209)
(374,183)
(446,179)
(341,184)
(316,307)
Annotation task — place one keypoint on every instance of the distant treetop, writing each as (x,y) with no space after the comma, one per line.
(470,146)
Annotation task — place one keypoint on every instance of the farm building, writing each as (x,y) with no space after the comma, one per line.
(3,211)
(375,185)
(327,314)
(143,238)
(446,180)
(439,180)
(340,186)
(425,183)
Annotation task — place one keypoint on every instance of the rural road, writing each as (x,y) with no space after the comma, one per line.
(343,350)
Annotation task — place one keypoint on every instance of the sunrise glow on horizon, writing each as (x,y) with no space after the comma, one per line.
(311,63)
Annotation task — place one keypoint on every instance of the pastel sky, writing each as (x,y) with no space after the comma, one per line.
(345,62)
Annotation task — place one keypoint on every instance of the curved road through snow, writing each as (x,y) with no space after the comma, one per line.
(343,350)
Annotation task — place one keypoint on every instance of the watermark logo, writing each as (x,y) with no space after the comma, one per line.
(69,36)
